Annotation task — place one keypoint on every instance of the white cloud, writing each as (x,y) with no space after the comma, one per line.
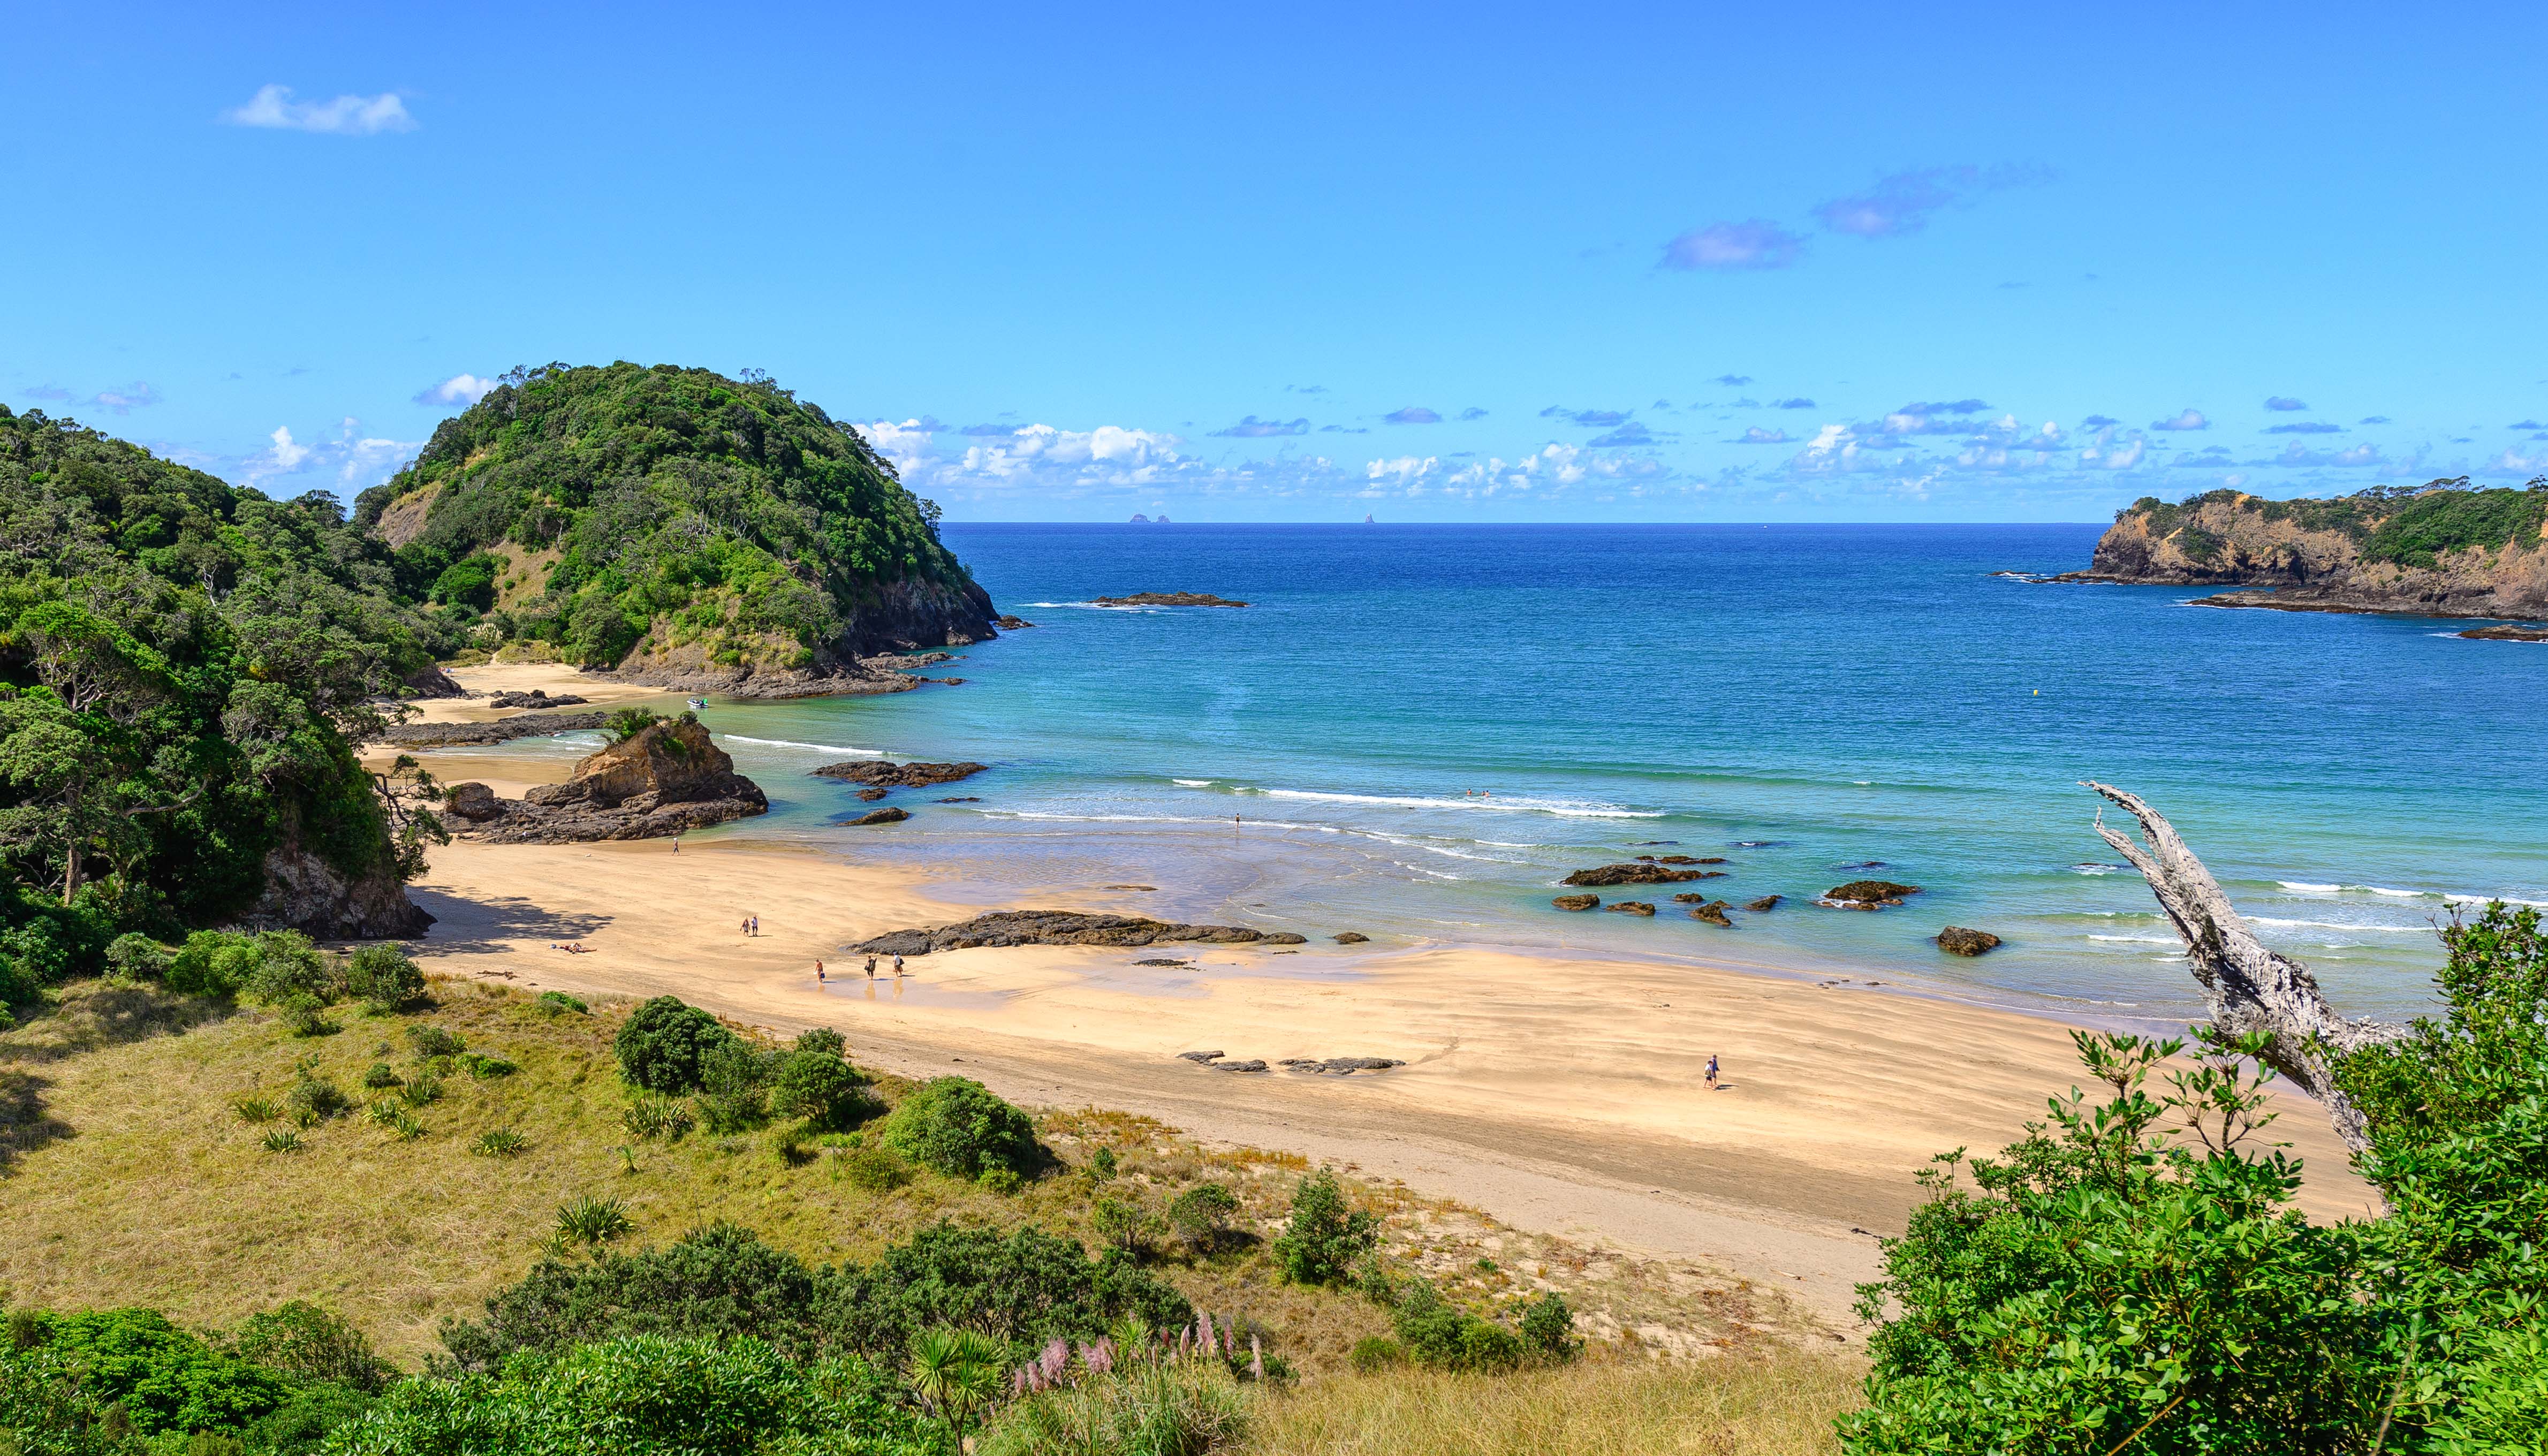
(459,388)
(2190,419)
(1720,246)
(1032,455)
(347,116)
(357,461)
(132,396)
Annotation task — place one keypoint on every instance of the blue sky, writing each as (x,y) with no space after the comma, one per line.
(1604,263)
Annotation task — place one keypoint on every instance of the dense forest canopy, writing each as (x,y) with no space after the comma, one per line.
(599,508)
(185,667)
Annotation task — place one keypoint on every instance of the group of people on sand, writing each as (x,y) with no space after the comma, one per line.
(819,977)
(751,925)
(572,947)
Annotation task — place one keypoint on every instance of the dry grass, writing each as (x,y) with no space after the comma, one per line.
(1781,1405)
(128,1179)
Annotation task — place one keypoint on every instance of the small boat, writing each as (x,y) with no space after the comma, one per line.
(697,703)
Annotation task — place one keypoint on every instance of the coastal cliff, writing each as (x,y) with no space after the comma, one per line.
(2440,550)
(675,527)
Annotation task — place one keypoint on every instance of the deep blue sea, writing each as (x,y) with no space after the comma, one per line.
(1801,701)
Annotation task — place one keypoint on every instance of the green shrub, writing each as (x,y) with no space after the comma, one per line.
(137,958)
(959,1127)
(382,1076)
(1024,1288)
(290,970)
(627,723)
(315,1099)
(420,1091)
(253,1110)
(876,1169)
(1439,1334)
(1124,1223)
(734,1078)
(720,1282)
(591,1220)
(1166,1409)
(1201,1214)
(383,976)
(1101,1165)
(306,1016)
(499,1143)
(384,1112)
(404,1127)
(663,1043)
(816,1085)
(1374,1353)
(432,1040)
(647,1395)
(309,1343)
(1548,1328)
(213,964)
(1325,1238)
(162,1379)
(282,1139)
(483,1066)
(823,1041)
(559,1003)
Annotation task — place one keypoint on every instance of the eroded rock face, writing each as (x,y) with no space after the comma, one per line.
(303,892)
(1868,894)
(1635,874)
(663,780)
(1062,928)
(1955,940)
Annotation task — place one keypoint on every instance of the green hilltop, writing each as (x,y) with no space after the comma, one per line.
(671,518)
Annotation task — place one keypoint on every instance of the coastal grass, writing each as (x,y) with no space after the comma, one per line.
(136,1169)
(1775,1403)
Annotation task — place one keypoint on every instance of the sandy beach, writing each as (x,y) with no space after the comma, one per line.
(1558,1094)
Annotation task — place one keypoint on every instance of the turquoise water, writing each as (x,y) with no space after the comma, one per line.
(1800,700)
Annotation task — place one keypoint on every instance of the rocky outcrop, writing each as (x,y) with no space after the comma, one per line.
(1349,938)
(879,816)
(2442,551)
(503,730)
(538,697)
(1014,624)
(1640,873)
(879,774)
(2507,634)
(1168,598)
(1713,912)
(1766,902)
(1631,907)
(305,893)
(1868,894)
(1577,902)
(430,680)
(1955,940)
(665,780)
(1062,928)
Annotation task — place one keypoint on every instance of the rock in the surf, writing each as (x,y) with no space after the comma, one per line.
(1351,938)
(882,816)
(1577,902)
(662,781)
(1062,928)
(1766,902)
(1632,873)
(1630,907)
(880,774)
(1955,940)
(1713,912)
(1168,598)
(1868,894)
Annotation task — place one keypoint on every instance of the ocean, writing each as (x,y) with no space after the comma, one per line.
(1414,732)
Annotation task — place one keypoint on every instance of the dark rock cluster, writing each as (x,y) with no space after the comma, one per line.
(1955,940)
(663,780)
(538,697)
(1608,874)
(1868,894)
(1168,598)
(1063,928)
(880,773)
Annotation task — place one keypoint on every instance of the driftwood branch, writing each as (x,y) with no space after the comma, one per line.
(2250,988)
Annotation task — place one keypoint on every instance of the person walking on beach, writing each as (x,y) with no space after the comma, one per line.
(1711,1071)
(818,976)
(870,967)
(897,966)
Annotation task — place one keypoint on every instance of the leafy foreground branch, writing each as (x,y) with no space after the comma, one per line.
(2131,1276)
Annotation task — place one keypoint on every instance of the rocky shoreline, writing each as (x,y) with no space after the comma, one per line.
(661,781)
(503,730)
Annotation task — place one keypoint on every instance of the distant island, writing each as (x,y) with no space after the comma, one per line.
(677,527)
(1168,598)
(2442,549)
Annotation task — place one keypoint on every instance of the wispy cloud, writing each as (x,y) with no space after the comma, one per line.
(2190,419)
(2306,427)
(1756,435)
(1902,201)
(49,392)
(1798,402)
(354,460)
(2526,425)
(2100,421)
(1251,428)
(345,115)
(1729,247)
(125,401)
(2373,419)
(1732,381)
(2285,402)
(1630,434)
(1413,414)
(1588,419)
(460,389)
(1473,412)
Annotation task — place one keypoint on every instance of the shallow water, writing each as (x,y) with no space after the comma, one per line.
(1805,701)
